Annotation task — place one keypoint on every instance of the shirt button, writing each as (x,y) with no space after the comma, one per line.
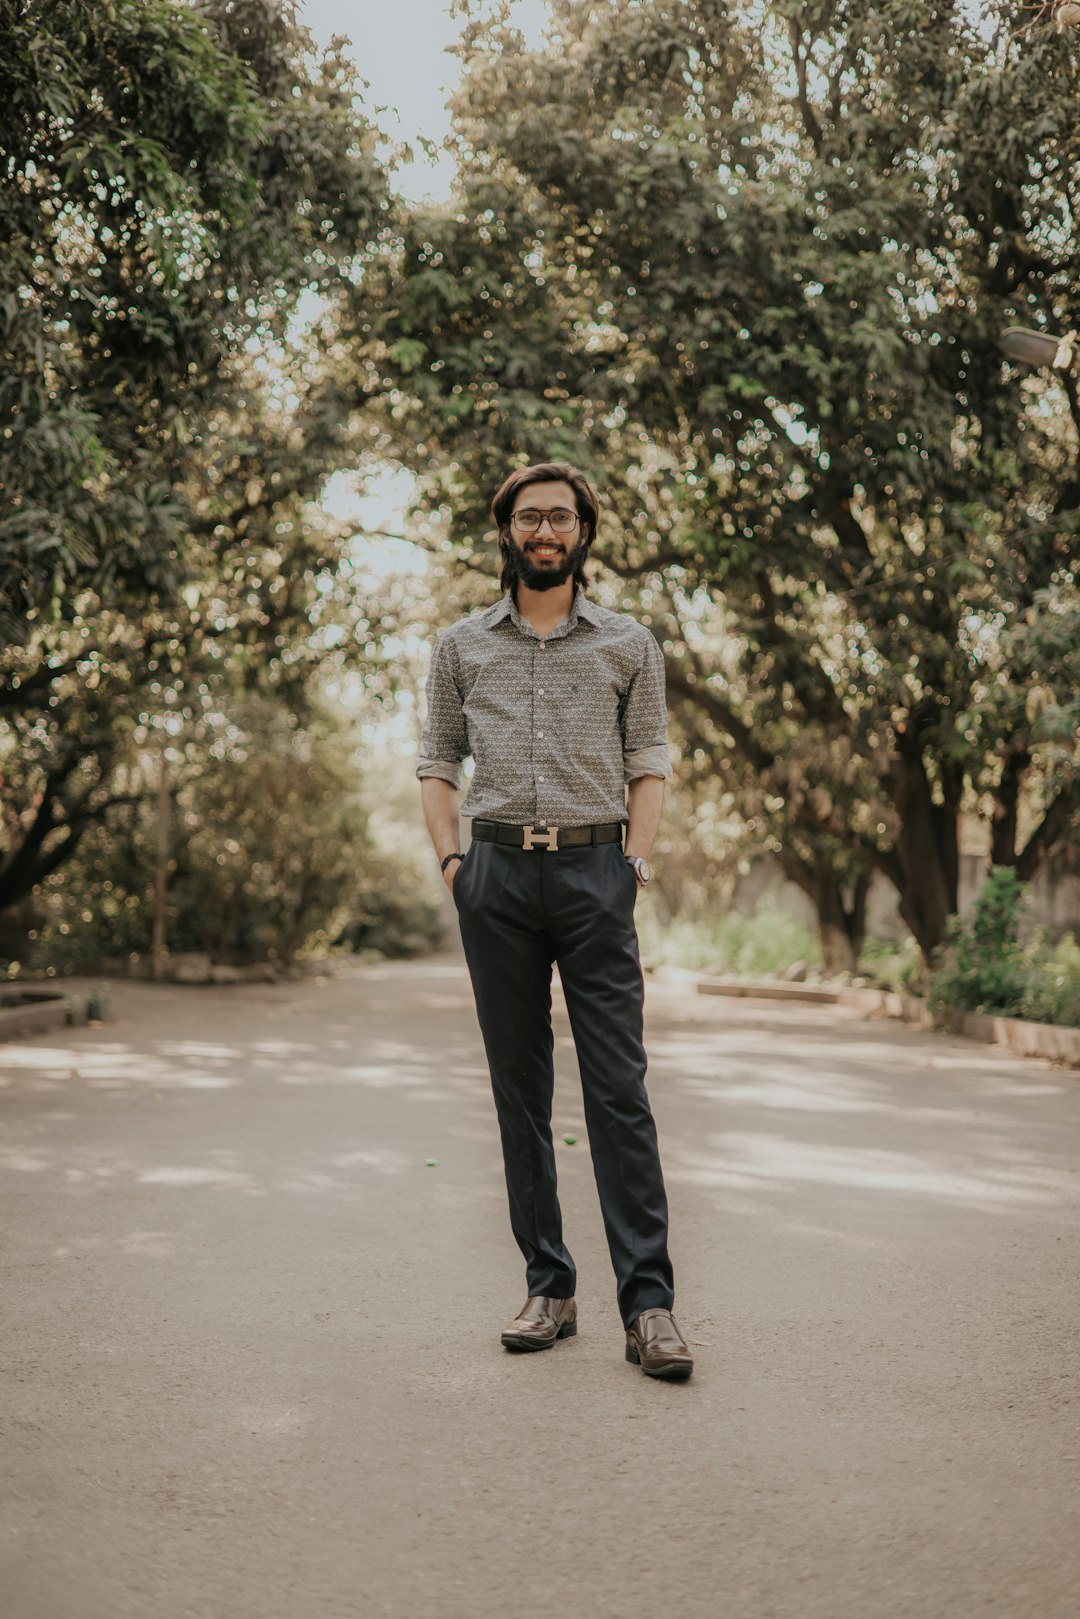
(540,691)
(539,733)
(539,778)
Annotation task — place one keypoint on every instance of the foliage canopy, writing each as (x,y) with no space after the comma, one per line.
(748,266)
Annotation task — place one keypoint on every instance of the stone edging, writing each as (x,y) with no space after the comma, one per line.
(1050,1040)
(47,1009)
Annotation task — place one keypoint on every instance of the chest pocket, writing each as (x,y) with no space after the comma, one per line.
(587,712)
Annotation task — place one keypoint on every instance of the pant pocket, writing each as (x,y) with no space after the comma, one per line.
(463,873)
(630,875)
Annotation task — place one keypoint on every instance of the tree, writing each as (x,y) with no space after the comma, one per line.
(754,278)
(270,851)
(173,178)
(194,172)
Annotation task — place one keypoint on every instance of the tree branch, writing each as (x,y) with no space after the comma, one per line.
(720,712)
(754,751)
(810,120)
(1055,824)
(12,697)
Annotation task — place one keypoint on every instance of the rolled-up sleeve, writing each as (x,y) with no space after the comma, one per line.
(644,719)
(444,742)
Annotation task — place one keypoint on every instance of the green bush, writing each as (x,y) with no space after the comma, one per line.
(1052,990)
(271,857)
(987,966)
(894,966)
(982,966)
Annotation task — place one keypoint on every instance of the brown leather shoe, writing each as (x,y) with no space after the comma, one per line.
(540,1323)
(655,1343)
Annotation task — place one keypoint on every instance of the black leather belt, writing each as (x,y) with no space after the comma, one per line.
(552,838)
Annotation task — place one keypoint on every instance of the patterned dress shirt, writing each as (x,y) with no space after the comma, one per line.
(556,726)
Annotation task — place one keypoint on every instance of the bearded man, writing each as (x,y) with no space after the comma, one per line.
(560,704)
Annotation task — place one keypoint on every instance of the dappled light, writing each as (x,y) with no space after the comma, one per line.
(771,1098)
(780,1166)
(244,1221)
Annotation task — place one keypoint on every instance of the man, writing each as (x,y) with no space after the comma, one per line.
(561,705)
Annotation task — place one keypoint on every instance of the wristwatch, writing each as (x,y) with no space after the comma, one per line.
(455,856)
(641,867)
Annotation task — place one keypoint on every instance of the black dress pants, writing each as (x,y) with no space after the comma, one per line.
(520,911)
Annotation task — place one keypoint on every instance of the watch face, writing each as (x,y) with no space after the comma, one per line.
(643,869)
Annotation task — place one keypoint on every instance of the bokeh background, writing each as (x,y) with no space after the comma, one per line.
(284,293)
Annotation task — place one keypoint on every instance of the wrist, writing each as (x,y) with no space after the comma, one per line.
(446,859)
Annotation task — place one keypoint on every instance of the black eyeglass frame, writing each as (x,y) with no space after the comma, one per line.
(530,528)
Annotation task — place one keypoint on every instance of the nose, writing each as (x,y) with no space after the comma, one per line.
(544,519)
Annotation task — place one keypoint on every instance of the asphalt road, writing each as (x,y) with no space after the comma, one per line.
(250,1357)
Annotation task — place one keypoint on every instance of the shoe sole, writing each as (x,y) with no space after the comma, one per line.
(670,1374)
(567,1330)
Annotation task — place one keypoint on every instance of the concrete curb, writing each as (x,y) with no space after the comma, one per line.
(1049,1040)
(45,1011)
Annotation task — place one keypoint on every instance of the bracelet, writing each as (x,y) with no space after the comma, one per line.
(455,856)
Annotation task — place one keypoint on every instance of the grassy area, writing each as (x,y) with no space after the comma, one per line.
(987,966)
(765,941)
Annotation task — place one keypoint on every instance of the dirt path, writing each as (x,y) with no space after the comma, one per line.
(250,1341)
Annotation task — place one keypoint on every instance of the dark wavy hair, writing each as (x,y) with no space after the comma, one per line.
(588,509)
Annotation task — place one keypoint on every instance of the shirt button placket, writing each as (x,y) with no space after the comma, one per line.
(541,818)
(538,646)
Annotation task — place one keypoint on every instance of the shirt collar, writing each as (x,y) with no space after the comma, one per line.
(586,609)
(580,608)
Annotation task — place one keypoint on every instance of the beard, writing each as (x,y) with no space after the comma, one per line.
(543,575)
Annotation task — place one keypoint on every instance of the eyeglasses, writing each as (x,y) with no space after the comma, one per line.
(562,522)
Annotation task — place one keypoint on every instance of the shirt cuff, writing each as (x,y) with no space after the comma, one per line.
(444,769)
(652,761)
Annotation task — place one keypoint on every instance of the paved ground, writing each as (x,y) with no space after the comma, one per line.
(249,1344)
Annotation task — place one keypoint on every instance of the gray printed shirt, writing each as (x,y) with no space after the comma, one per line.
(556,727)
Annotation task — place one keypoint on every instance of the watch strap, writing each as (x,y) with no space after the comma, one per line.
(457,855)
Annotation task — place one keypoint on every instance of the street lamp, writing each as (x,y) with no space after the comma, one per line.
(1041,348)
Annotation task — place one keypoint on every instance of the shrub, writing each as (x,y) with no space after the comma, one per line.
(894,966)
(982,966)
(987,966)
(1052,989)
(271,856)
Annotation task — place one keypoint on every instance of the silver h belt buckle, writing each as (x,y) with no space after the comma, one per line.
(535,835)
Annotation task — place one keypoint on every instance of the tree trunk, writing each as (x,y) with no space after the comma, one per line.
(841,924)
(1004,823)
(923,865)
(158,940)
(929,850)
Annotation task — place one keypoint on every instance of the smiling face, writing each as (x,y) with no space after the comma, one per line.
(544,554)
